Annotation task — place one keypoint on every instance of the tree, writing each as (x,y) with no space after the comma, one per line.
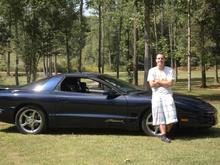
(203,17)
(116,34)
(135,56)
(14,9)
(214,32)
(146,41)
(4,44)
(189,43)
(81,36)
(100,61)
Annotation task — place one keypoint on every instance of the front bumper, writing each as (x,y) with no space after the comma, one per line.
(198,120)
(209,118)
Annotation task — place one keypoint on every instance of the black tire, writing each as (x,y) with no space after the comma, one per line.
(30,120)
(147,125)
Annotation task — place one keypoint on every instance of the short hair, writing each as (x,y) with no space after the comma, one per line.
(161,54)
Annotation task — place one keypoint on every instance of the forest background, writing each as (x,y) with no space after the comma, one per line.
(57,36)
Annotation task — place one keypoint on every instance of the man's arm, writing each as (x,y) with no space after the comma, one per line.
(161,83)
(154,83)
(166,83)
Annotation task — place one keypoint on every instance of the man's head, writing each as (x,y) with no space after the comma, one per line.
(160,60)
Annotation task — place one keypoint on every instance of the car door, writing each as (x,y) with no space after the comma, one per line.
(91,106)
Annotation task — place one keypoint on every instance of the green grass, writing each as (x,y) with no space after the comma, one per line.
(105,147)
(116,147)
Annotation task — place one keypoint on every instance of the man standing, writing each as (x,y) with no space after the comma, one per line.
(161,78)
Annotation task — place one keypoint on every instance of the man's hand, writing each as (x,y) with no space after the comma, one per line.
(154,83)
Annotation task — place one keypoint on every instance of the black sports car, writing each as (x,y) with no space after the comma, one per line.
(93,100)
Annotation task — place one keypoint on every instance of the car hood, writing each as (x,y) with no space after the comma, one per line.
(141,93)
(185,102)
(192,103)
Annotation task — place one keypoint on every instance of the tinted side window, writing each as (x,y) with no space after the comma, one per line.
(70,84)
(94,86)
(83,85)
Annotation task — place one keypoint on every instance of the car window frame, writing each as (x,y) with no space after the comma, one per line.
(111,88)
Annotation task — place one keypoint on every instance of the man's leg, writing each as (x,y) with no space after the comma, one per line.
(163,131)
(169,127)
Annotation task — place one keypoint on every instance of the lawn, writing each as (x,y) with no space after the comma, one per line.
(116,147)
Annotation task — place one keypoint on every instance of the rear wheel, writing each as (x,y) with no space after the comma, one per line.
(147,125)
(30,120)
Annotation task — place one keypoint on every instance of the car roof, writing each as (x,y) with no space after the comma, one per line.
(80,74)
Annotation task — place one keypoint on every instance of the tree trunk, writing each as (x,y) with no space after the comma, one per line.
(189,45)
(174,49)
(34,69)
(202,60)
(32,59)
(171,44)
(216,79)
(50,65)
(44,65)
(155,29)
(47,66)
(17,58)
(162,18)
(9,52)
(81,36)
(129,57)
(27,70)
(135,57)
(109,59)
(117,53)
(146,42)
(68,54)
(100,38)
(102,44)
(9,60)
(176,70)
(55,64)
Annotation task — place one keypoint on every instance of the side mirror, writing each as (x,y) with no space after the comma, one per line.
(112,94)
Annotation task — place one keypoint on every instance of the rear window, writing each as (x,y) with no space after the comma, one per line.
(43,84)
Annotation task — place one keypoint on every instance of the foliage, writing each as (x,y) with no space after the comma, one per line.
(48,29)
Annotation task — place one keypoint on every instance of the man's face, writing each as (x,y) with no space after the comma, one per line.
(160,60)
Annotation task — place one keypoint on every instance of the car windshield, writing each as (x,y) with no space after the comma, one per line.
(122,85)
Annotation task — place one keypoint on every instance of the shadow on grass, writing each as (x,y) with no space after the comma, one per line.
(191,134)
(10,129)
(81,131)
(183,134)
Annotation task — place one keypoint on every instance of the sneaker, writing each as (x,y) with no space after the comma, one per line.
(169,135)
(164,138)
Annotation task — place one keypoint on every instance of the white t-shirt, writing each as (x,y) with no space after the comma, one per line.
(156,74)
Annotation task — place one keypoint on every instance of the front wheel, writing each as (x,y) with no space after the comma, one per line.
(147,125)
(30,120)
